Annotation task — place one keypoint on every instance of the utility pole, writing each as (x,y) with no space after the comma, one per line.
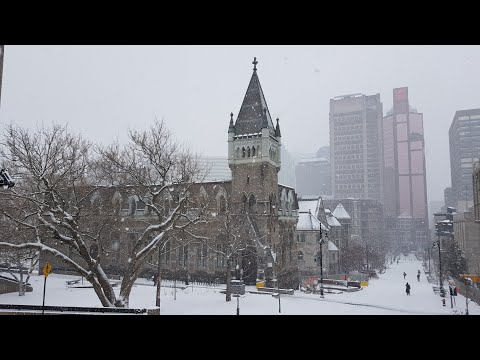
(466,296)
(159,276)
(321,262)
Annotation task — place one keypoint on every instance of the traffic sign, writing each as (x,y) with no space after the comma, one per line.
(46,269)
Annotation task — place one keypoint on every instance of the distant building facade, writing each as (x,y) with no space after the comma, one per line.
(366,226)
(356,146)
(449,198)
(405,185)
(312,177)
(464,139)
(467,236)
(312,217)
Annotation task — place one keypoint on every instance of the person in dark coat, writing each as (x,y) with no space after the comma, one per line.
(407,288)
(404,274)
(418,276)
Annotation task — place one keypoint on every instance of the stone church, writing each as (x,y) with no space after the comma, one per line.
(261,213)
(252,217)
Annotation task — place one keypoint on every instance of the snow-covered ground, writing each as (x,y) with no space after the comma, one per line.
(384,296)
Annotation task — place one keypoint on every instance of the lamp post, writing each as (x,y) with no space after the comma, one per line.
(321,241)
(437,244)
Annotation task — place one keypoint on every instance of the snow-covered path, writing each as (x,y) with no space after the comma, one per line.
(384,296)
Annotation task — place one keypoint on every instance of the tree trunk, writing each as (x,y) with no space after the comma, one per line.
(159,278)
(21,288)
(228,292)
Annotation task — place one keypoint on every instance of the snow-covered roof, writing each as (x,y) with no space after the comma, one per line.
(331,246)
(332,220)
(307,221)
(340,212)
(306,205)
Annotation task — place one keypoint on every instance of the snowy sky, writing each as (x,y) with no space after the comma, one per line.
(383,296)
(103,91)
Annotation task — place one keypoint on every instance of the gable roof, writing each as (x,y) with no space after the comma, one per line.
(340,212)
(306,221)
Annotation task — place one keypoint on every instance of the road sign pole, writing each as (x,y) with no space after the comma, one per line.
(44,286)
(46,270)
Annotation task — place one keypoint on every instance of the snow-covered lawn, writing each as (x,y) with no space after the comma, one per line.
(384,296)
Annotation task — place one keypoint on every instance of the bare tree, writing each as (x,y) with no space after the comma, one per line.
(163,172)
(229,245)
(52,199)
(23,262)
(48,202)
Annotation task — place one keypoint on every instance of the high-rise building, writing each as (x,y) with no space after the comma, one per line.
(464,137)
(449,198)
(405,187)
(313,176)
(355,146)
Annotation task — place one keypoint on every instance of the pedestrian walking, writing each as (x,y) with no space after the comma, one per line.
(407,288)
(404,274)
(418,276)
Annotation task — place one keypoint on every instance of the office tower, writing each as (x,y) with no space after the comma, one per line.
(405,187)
(464,138)
(355,146)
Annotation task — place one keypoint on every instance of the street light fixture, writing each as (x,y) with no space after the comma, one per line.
(437,244)
(321,242)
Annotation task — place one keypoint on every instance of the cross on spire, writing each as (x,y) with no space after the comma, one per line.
(254,62)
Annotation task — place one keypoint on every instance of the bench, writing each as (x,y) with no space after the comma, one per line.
(71,282)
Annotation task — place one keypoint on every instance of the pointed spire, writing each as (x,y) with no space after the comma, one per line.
(277,129)
(231,127)
(253,115)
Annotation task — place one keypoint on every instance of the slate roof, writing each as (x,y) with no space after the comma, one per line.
(254,114)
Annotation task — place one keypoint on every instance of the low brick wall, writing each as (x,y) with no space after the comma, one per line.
(8,285)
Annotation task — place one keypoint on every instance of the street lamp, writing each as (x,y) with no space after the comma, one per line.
(321,242)
(437,244)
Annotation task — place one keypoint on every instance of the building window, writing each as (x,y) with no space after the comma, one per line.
(251,204)
(302,238)
(243,152)
(253,151)
(219,256)
(204,255)
(185,255)
(243,205)
(300,255)
(223,204)
(167,252)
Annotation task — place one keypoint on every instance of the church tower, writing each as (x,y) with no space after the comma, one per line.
(254,158)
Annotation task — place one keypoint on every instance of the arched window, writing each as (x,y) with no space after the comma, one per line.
(248,151)
(222,204)
(253,151)
(96,204)
(243,152)
(243,205)
(132,205)
(251,204)
(117,202)
(238,153)
(300,255)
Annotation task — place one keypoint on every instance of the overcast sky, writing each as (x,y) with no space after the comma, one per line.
(102,91)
